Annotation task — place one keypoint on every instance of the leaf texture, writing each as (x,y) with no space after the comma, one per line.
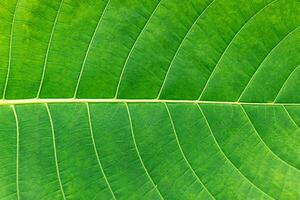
(140,99)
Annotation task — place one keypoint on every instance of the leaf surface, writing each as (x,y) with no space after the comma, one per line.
(170,99)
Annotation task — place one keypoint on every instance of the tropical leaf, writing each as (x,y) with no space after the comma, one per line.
(148,99)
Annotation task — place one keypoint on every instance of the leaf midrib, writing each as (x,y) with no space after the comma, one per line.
(86,100)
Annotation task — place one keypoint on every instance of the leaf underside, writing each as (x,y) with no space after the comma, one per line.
(141,99)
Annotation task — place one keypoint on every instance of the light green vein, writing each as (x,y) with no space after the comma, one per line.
(132,48)
(55,153)
(291,118)
(88,49)
(83,100)
(17,151)
(179,47)
(10,50)
(259,67)
(223,153)
(183,154)
(96,152)
(263,142)
(138,153)
(48,50)
(224,52)
(285,82)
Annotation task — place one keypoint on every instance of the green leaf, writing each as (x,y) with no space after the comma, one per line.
(140,99)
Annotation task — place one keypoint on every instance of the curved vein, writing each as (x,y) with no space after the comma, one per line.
(54,150)
(132,48)
(263,142)
(96,152)
(287,112)
(17,151)
(179,47)
(229,44)
(183,154)
(259,67)
(48,50)
(10,51)
(88,49)
(285,82)
(223,153)
(138,153)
